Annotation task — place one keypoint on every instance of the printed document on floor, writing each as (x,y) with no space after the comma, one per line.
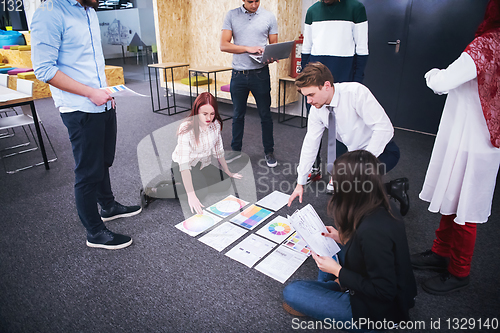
(222,236)
(250,250)
(274,201)
(281,263)
(277,230)
(198,223)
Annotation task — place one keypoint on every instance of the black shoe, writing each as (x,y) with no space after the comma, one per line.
(106,239)
(429,260)
(397,189)
(445,283)
(145,199)
(118,210)
(231,155)
(271,161)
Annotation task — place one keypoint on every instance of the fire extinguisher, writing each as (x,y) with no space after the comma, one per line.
(296,56)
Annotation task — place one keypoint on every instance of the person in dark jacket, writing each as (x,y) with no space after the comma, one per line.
(374,282)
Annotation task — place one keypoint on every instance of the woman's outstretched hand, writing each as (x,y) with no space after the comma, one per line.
(194,203)
(235,175)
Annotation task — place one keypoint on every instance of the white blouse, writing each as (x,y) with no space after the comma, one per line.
(188,153)
(464,164)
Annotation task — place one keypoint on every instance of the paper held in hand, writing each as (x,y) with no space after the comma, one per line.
(309,226)
(121,90)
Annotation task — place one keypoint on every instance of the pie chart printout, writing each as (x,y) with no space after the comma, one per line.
(279,228)
(198,223)
(228,206)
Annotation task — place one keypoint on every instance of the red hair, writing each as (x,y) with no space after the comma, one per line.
(193,120)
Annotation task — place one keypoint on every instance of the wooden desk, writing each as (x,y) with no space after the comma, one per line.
(165,66)
(16,98)
(207,70)
(283,120)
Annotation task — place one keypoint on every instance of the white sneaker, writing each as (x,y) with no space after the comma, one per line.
(329,187)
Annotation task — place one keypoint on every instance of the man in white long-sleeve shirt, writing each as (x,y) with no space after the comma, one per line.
(360,123)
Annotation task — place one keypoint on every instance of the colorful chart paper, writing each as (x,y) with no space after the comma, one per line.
(228,206)
(277,230)
(198,223)
(251,217)
(296,243)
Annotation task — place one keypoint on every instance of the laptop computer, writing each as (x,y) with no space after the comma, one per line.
(274,51)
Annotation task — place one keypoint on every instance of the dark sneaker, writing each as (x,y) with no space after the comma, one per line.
(429,260)
(314,176)
(271,161)
(445,283)
(232,155)
(118,210)
(106,239)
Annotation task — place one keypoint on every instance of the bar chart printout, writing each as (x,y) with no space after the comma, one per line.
(251,217)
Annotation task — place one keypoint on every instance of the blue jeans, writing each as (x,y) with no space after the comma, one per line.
(93,140)
(321,299)
(259,83)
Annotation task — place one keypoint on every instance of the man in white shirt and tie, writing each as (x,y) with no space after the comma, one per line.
(359,121)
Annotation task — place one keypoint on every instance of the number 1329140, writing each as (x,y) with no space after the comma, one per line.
(17,5)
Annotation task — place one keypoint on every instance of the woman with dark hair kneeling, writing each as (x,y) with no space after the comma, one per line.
(375,279)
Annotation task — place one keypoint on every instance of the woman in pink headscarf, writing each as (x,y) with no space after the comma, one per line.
(462,172)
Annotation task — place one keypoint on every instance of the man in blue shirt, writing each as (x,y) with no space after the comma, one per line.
(67,53)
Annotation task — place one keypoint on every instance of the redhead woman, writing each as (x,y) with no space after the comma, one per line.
(198,139)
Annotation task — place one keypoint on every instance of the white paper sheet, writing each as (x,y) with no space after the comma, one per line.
(198,223)
(274,201)
(309,226)
(222,236)
(281,263)
(250,250)
(277,230)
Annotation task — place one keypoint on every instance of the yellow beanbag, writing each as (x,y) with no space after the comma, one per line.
(201,80)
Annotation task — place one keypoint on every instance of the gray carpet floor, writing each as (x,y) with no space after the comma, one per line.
(168,281)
